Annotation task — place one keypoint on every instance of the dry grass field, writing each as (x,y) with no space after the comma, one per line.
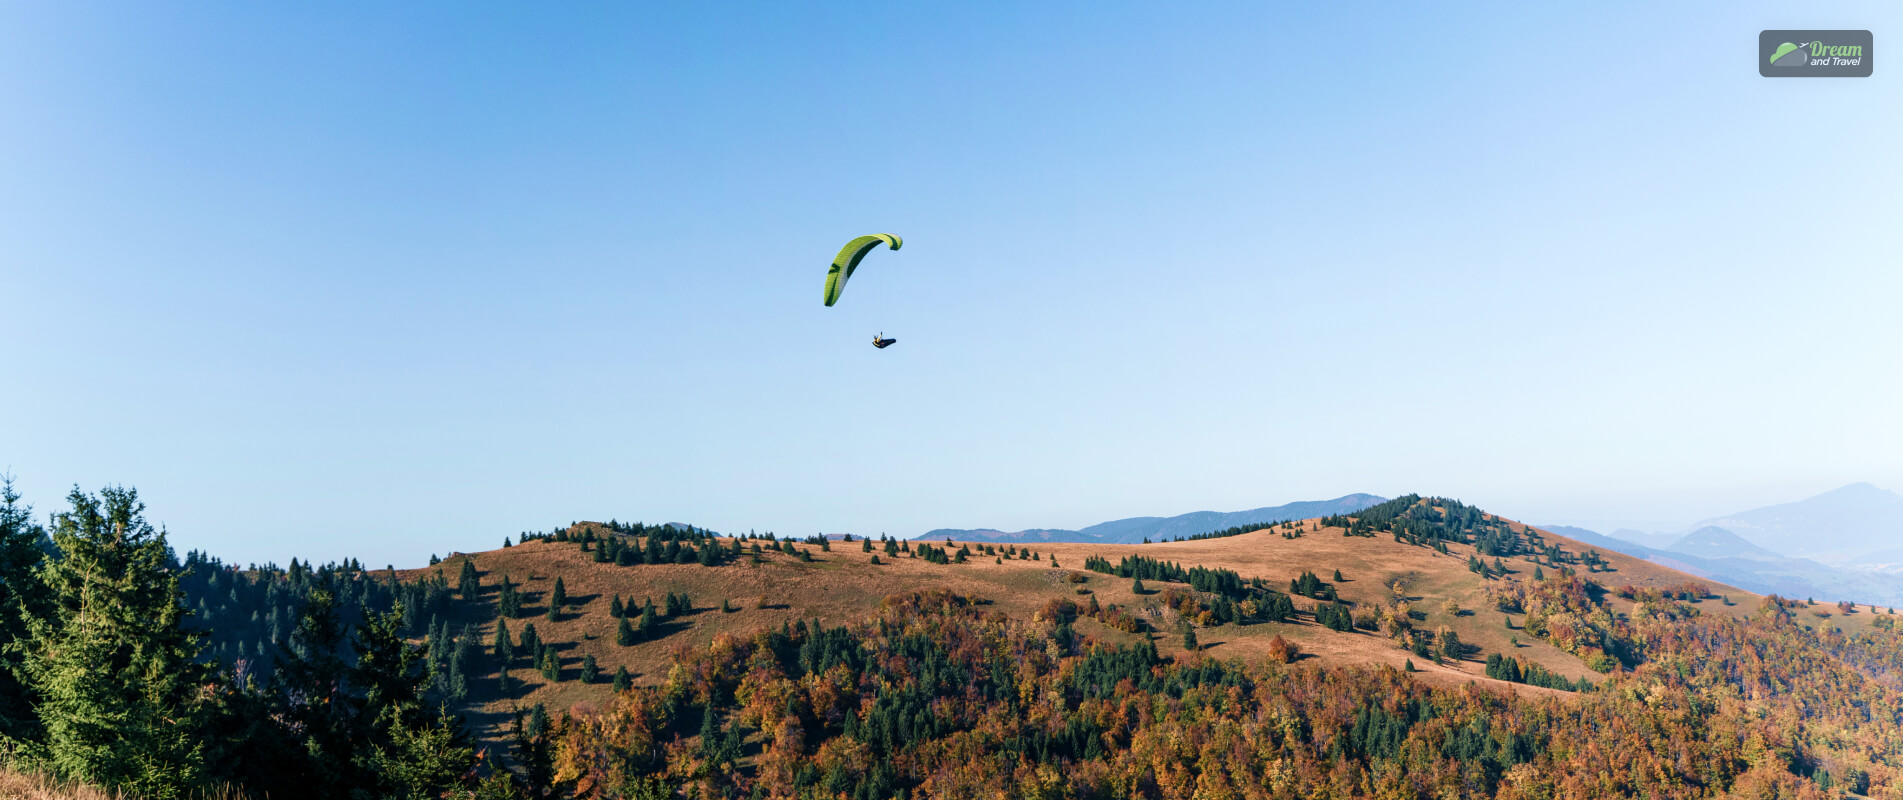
(843,586)
(16,785)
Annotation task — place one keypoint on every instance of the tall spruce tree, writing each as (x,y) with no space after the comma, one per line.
(310,680)
(414,750)
(114,667)
(468,582)
(20,600)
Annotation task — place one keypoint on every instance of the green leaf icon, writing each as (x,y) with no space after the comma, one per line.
(1782,50)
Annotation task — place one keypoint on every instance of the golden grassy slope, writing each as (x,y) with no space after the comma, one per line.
(15,785)
(843,586)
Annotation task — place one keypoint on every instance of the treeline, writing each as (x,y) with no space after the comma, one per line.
(246,617)
(1237,530)
(106,679)
(1203,579)
(1514,670)
(932,698)
(633,544)
(303,681)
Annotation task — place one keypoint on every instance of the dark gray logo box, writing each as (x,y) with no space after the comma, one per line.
(1831,58)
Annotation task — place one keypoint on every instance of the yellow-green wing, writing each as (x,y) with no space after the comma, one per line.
(848,260)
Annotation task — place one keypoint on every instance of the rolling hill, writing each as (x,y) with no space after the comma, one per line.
(1433,587)
(1136,529)
(755,663)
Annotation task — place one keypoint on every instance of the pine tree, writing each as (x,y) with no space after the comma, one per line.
(614,607)
(1189,639)
(622,681)
(20,557)
(624,634)
(533,753)
(529,642)
(1136,587)
(502,647)
(538,722)
(312,675)
(114,667)
(469,583)
(590,672)
(508,599)
(1338,578)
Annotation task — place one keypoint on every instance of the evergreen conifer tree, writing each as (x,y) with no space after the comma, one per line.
(502,648)
(20,600)
(529,643)
(114,668)
(469,583)
(538,722)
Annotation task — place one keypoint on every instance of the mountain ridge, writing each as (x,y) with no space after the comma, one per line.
(1837,527)
(1712,541)
(1132,530)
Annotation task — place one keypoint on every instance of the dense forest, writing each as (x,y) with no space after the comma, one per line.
(122,665)
(937,698)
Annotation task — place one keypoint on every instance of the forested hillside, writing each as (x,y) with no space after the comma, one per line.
(1419,648)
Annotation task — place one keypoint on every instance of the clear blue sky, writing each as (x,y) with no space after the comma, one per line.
(381,281)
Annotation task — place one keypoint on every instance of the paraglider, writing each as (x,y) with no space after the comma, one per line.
(848,260)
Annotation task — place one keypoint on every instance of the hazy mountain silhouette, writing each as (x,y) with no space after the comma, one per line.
(1720,555)
(1712,541)
(1136,529)
(1837,527)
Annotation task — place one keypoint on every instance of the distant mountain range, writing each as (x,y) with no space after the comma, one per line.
(1712,541)
(1839,545)
(1136,529)
(1836,527)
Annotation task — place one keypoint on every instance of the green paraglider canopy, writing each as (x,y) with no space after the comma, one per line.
(848,260)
